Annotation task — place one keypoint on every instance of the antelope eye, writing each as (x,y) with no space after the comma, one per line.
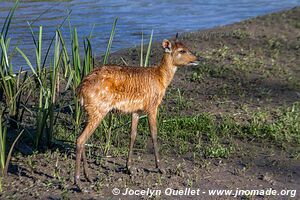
(182,51)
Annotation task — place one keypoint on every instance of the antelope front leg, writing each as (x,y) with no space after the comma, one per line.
(153,130)
(134,124)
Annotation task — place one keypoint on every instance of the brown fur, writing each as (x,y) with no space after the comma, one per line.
(130,90)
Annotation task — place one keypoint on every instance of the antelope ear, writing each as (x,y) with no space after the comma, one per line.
(176,37)
(167,46)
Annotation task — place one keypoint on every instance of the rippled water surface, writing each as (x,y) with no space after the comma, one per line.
(164,17)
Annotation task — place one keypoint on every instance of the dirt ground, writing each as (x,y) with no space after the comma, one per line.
(246,67)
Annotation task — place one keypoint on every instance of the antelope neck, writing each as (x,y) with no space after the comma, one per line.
(167,69)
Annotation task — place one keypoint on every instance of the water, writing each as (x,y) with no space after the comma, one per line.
(165,18)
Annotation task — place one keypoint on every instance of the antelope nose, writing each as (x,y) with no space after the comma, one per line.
(200,59)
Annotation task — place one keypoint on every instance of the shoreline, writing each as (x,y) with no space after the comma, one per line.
(220,32)
(266,41)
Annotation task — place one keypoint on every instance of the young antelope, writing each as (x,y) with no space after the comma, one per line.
(131,90)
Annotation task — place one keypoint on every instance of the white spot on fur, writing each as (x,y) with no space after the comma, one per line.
(174,69)
(125,105)
(168,50)
(104,106)
(193,63)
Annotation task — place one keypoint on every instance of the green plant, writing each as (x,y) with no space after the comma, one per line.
(282,130)
(111,117)
(5,159)
(54,88)
(109,43)
(44,93)
(77,70)
(142,50)
(12,83)
(47,81)
(77,75)
(148,50)
(218,151)
(3,133)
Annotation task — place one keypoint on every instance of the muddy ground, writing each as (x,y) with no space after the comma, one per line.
(246,67)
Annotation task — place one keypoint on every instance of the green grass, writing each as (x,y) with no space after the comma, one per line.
(231,62)
(205,135)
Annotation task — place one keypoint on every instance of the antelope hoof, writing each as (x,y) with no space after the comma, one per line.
(161,170)
(88,178)
(77,184)
(76,180)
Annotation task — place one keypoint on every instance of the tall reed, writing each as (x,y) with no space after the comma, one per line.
(69,64)
(47,83)
(111,117)
(5,159)
(146,63)
(11,83)
(148,50)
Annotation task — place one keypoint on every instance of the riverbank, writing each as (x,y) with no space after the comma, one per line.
(231,122)
(253,63)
